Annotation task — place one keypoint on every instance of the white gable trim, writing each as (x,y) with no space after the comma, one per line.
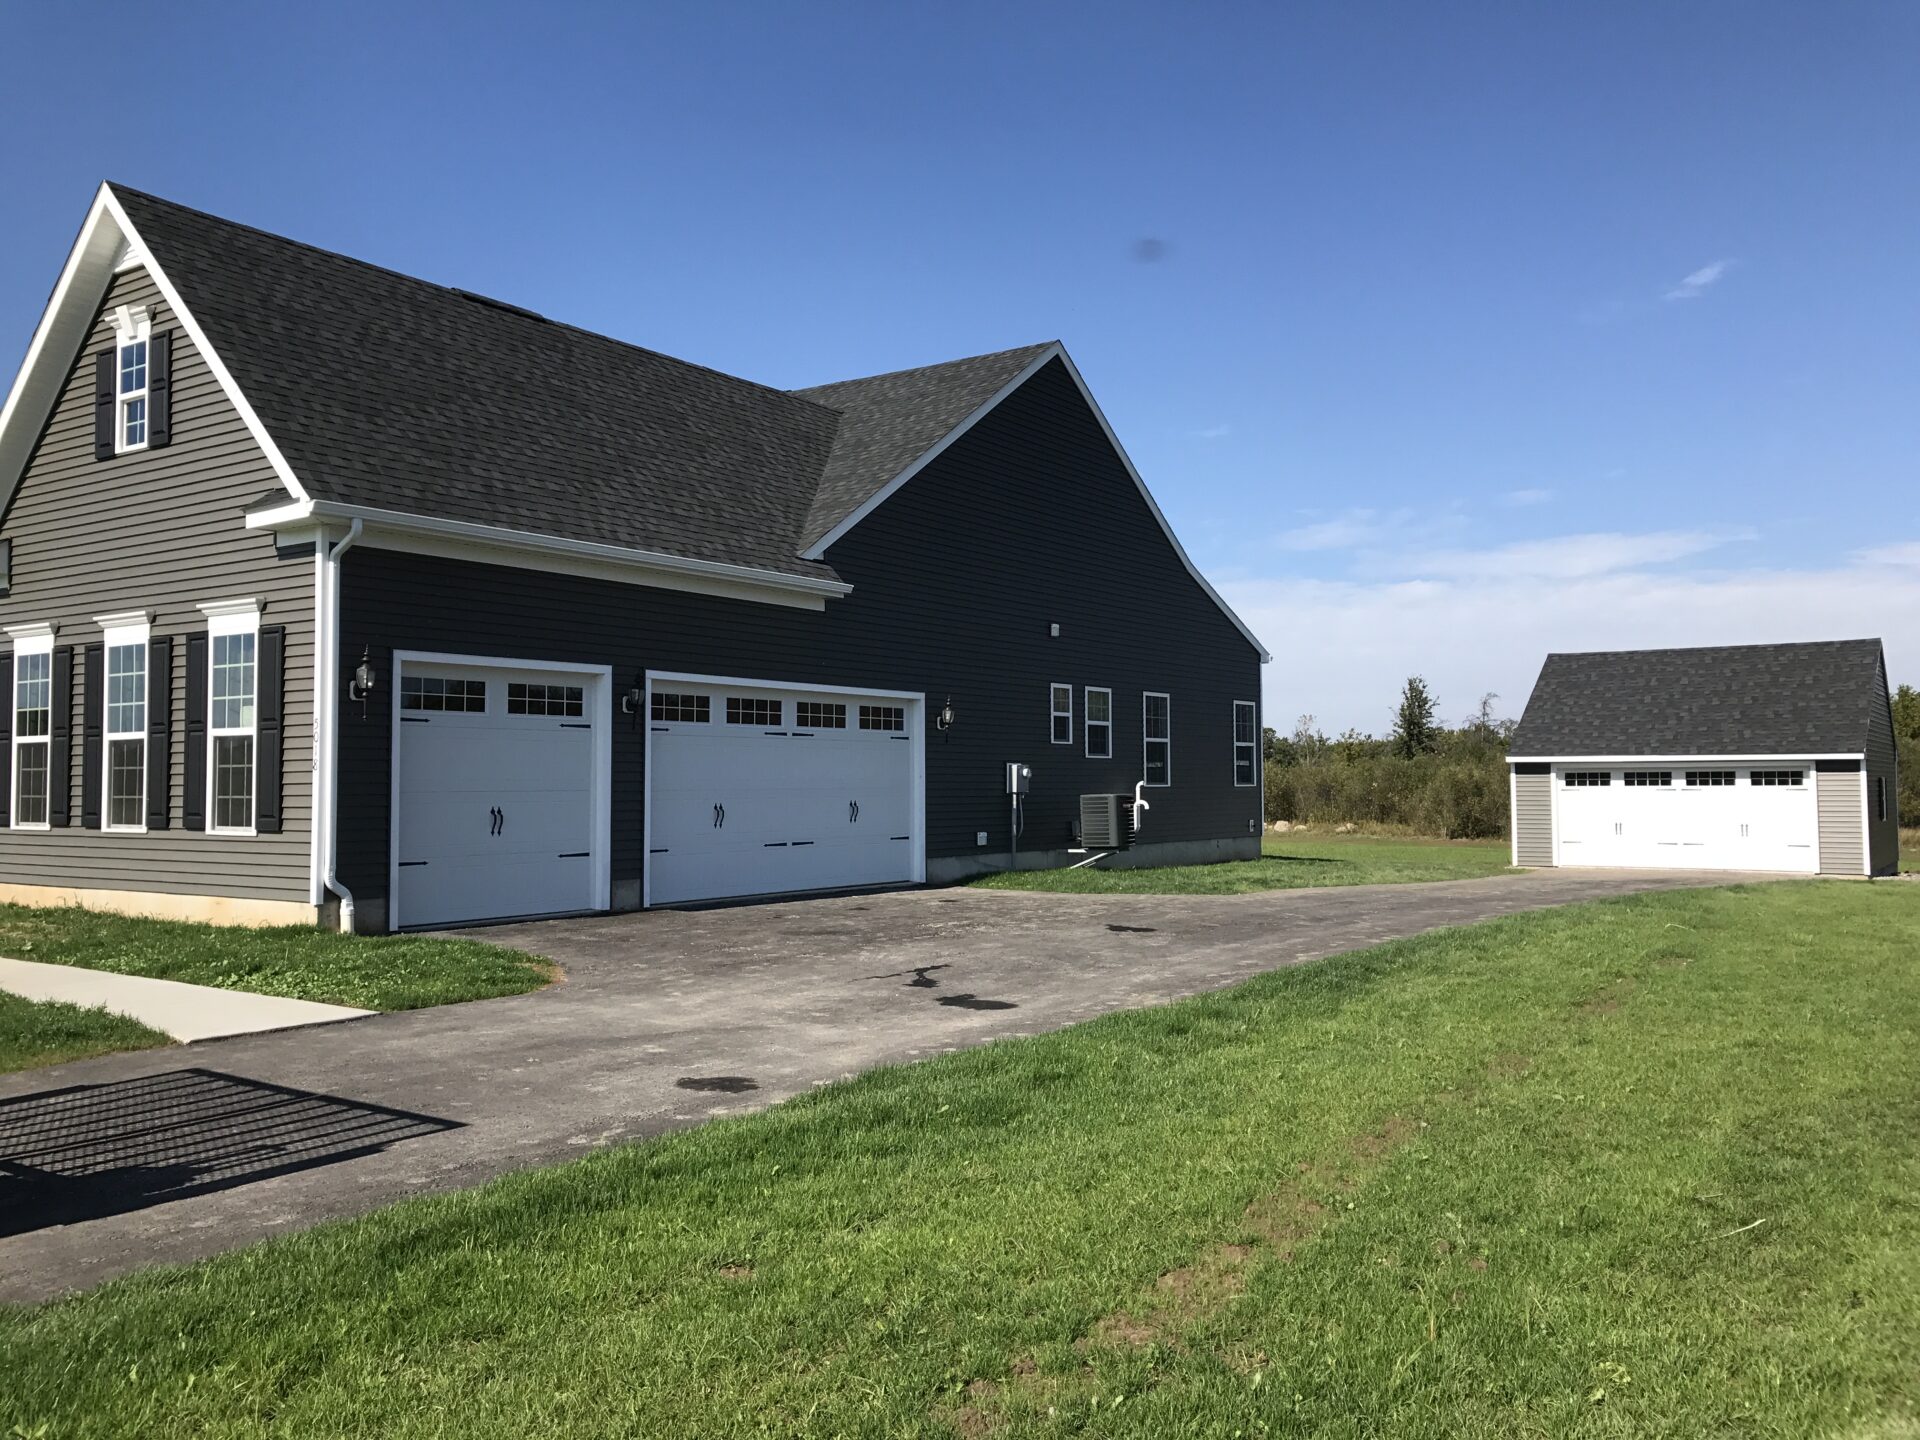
(107,245)
(818,549)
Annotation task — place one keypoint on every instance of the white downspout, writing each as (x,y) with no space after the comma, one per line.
(330,723)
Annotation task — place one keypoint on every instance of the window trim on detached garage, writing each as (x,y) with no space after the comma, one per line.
(913,702)
(599,710)
(30,642)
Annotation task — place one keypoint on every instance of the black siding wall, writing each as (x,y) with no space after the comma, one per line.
(1029,520)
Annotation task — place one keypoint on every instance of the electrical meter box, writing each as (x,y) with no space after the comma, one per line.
(1018,777)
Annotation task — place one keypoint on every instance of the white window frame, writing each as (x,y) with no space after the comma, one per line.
(1088,722)
(1238,743)
(119,632)
(1054,690)
(29,640)
(132,325)
(1146,740)
(235,618)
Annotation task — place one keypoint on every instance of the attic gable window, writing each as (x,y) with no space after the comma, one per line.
(133,386)
(133,331)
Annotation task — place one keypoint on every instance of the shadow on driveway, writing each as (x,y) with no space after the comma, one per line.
(92,1150)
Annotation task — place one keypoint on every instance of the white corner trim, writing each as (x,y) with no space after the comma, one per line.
(216,608)
(125,620)
(817,550)
(32,633)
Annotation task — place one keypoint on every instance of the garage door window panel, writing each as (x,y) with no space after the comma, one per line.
(1648,778)
(680,708)
(562,701)
(1709,779)
(439,693)
(883,717)
(1586,779)
(1777,777)
(754,710)
(820,715)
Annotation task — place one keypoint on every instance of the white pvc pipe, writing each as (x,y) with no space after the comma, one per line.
(327,798)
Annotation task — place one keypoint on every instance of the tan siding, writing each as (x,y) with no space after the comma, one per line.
(1533,819)
(1839,799)
(158,531)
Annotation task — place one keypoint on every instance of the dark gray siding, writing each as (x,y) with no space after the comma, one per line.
(1883,836)
(159,531)
(1028,521)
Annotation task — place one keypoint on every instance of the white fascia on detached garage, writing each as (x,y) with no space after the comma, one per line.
(1750,758)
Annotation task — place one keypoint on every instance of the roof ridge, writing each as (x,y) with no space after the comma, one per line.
(917,369)
(1695,649)
(471,296)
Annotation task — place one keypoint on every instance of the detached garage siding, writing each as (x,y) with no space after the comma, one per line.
(1533,814)
(1883,836)
(1841,850)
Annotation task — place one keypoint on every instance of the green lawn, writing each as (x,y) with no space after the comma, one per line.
(45,1032)
(1286,863)
(1645,1167)
(400,972)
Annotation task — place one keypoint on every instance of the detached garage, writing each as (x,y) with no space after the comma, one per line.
(1748,757)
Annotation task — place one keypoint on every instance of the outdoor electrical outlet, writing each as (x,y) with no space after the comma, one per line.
(979,837)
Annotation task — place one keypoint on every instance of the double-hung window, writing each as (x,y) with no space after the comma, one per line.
(1156,738)
(130,387)
(1061,700)
(32,702)
(1246,743)
(1098,708)
(124,755)
(233,682)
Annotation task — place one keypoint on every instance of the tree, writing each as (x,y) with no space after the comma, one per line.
(1309,745)
(1414,732)
(1906,713)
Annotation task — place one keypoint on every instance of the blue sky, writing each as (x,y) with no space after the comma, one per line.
(1445,335)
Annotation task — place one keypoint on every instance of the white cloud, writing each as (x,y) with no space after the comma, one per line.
(1903,554)
(1213,432)
(1341,649)
(1562,557)
(1530,496)
(1695,285)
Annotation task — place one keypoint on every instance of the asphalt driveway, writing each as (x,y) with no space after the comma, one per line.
(665,1019)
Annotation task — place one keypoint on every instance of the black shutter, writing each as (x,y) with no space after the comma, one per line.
(193,793)
(269,727)
(6,741)
(159,731)
(160,389)
(60,741)
(93,680)
(104,380)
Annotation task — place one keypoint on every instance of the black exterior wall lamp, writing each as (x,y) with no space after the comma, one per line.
(944,720)
(364,681)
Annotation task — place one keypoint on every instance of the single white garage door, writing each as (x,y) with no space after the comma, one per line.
(1720,816)
(756,790)
(496,793)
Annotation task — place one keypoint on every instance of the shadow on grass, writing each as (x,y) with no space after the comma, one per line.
(88,1151)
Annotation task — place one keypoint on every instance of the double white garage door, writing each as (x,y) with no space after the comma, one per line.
(503,782)
(1727,817)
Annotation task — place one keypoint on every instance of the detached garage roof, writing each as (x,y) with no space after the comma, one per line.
(1817,698)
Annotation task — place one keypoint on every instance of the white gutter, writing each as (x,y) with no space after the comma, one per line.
(327,718)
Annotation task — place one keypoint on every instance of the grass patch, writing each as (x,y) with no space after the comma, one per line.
(1648,1166)
(370,972)
(46,1032)
(1286,862)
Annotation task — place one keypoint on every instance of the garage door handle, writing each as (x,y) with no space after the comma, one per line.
(853,811)
(719,816)
(493,827)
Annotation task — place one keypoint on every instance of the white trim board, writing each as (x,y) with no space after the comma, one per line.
(817,550)
(106,245)
(557,554)
(1742,758)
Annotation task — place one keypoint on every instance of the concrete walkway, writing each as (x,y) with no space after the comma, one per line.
(666,1018)
(186,1012)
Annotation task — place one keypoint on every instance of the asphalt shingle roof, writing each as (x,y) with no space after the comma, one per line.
(1815,698)
(395,393)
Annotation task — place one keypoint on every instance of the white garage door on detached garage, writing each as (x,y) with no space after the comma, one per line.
(500,790)
(755,788)
(1702,815)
